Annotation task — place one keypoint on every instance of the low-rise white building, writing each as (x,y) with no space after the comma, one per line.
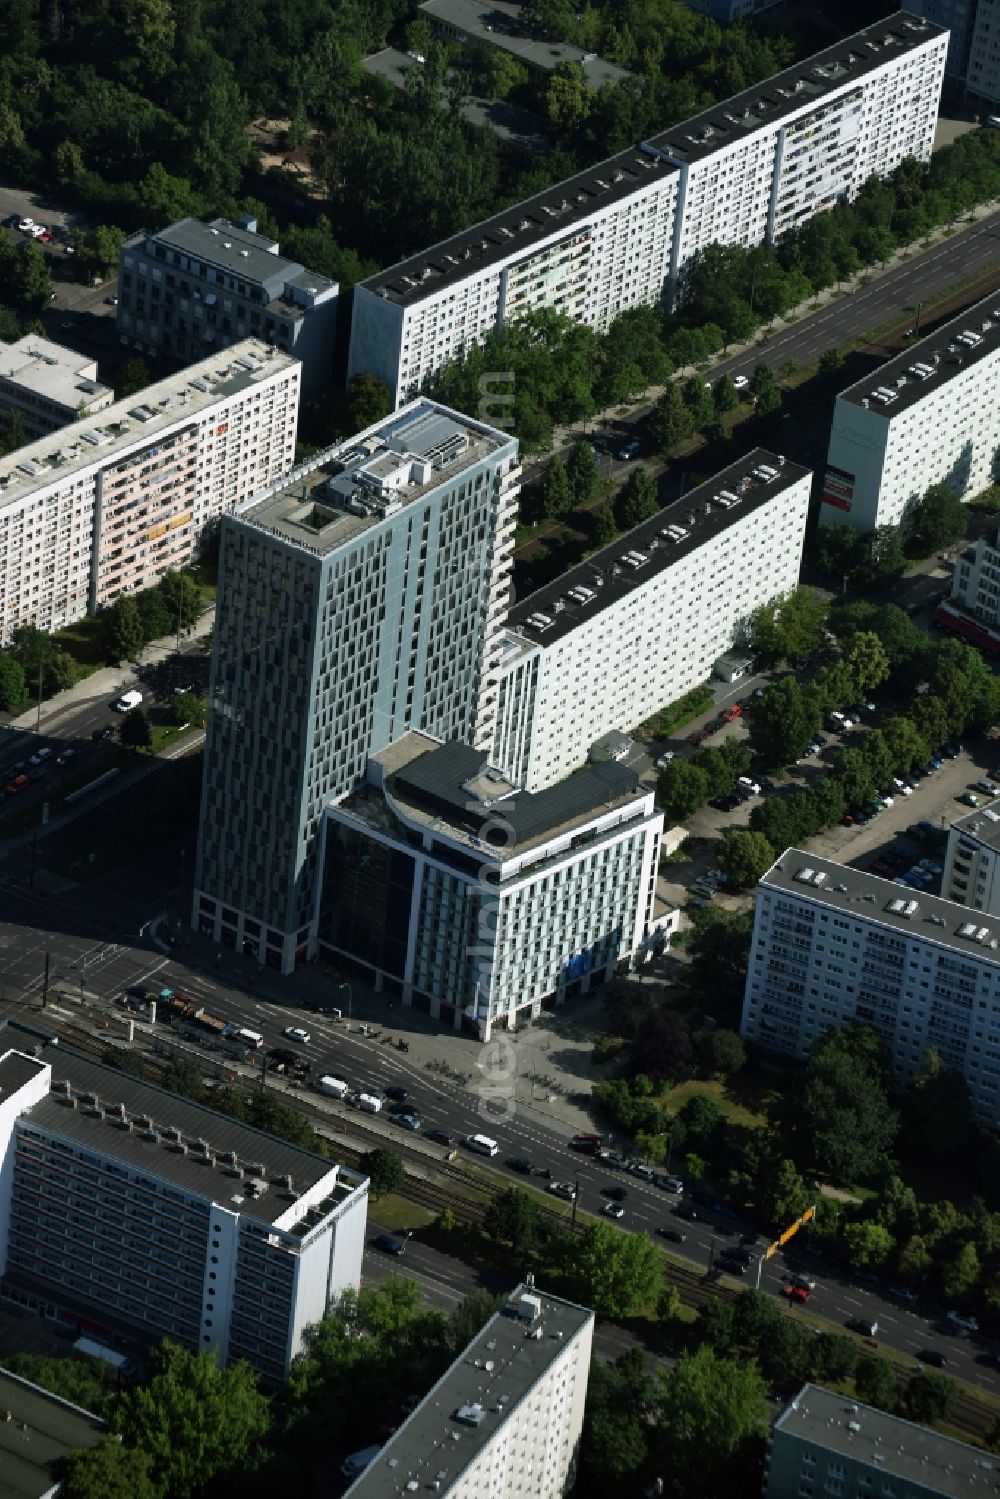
(972,862)
(128,1209)
(833,944)
(621,233)
(48,385)
(504,1421)
(477,902)
(645,619)
(928,416)
(107,505)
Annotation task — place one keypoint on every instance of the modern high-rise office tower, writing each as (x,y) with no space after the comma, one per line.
(133,1211)
(107,505)
(928,416)
(359,597)
(621,233)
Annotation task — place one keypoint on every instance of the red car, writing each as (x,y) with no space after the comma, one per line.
(796,1293)
(734,711)
(46,236)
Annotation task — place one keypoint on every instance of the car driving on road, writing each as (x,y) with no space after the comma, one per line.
(296,1033)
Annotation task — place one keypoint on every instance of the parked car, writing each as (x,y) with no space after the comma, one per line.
(629,450)
(866,1326)
(740,382)
(389,1244)
(964,1323)
(968,800)
(613,1210)
(565,1190)
(669,1183)
(673,1234)
(665,759)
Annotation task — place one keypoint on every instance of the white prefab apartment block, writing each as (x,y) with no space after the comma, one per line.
(645,619)
(359,597)
(48,386)
(133,1211)
(972,862)
(834,945)
(930,415)
(107,505)
(504,1421)
(827,1444)
(622,232)
(477,902)
(195,287)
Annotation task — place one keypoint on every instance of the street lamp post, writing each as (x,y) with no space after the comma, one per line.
(350,1003)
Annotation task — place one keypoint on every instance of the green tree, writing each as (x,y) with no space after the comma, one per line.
(110,1471)
(617,1424)
(188,707)
(879,556)
(385,1171)
(121,630)
(721,1053)
(614,1272)
(867,661)
(13,435)
(567,97)
(936,1113)
(712,1411)
(782,722)
(906,745)
(132,377)
(513,1217)
(638,500)
(13,688)
(182,598)
(856,777)
(682,789)
(875,1382)
(670,422)
(960,1272)
(193,1420)
(154,615)
(868,1243)
(835,1357)
(605,526)
(744,856)
(698,400)
(789,629)
(838,1118)
(718,947)
(936,520)
(581,470)
(914,1259)
(136,731)
(725,396)
(930,1397)
(555,491)
(83,1382)
(368,401)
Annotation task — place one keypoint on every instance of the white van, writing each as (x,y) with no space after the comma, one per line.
(481,1144)
(128,701)
(369,1103)
(333,1087)
(249,1038)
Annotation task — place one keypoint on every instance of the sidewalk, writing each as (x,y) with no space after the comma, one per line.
(108,682)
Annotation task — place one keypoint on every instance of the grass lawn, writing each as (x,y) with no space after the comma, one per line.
(166,734)
(399,1213)
(738,1108)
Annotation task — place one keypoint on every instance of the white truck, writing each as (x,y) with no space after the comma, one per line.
(128,701)
(333,1087)
(369,1103)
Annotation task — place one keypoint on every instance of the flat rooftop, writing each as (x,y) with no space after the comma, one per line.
(508,121)
(607,576)
(804,83)
(49,369)
(855,892)
(354,485)
(983,825)
(42,1432)
(565,204)
(925,366)
(520,229)
(232,248)
(452,789)
(500,25)
(932,1463)
(473,1399)
(141,418)
(184,1143)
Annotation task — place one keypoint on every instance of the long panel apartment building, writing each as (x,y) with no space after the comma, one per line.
(504,1420)
(621,233)
(131,1211)
(928,416)
(478,902)
(646,618)
(833,944)
(107,505)
(194,287)
(359,597)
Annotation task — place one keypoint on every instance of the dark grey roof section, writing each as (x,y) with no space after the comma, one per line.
(518,229)
(925,366)
(806,82)
(567,203)
(41,1433)
(983,825)
(439,781)
(231,248)
(928,1462)
(868,897)
(16,1068)
(151,1146)
(605,578)
(474,1398)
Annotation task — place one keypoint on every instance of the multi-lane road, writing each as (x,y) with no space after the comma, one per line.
(458,1106)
